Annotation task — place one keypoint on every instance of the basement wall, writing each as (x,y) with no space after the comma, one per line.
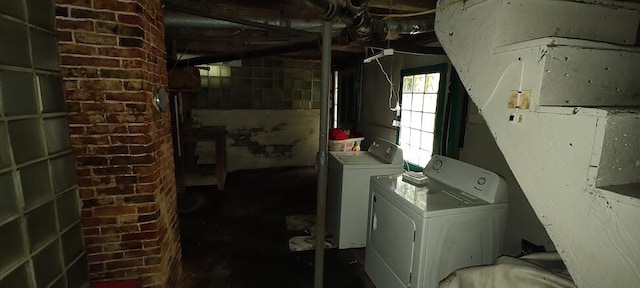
(479,146)
(270,107)
(263,138)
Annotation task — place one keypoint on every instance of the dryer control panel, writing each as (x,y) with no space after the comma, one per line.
(470,180)
(386,151)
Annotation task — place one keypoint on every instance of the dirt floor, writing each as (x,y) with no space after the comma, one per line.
(238,237)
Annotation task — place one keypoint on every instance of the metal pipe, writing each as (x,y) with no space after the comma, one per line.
(321,205)
(331,10)
(356,6)
(207,14)
(173,19)
(260,52)
(381,28)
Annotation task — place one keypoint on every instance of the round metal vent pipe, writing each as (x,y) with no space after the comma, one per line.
(381,28)
(174,19)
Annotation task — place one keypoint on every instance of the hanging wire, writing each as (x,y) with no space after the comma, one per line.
(391,89)
(422,13)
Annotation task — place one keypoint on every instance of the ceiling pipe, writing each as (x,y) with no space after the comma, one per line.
(247,23)
(331,10)
(173,19)
(247,54)
(356,7)
(381,28)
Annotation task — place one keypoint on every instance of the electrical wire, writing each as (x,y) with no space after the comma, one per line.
(422,13)
(392,92)
(180,57)
(493,92)
(406,165)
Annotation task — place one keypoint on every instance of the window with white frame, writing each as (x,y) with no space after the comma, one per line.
(419,107)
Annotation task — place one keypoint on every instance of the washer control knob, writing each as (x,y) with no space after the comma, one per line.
(437,164)
(482,180)
(388,151)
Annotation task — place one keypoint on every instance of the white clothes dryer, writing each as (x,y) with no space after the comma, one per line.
(419,235)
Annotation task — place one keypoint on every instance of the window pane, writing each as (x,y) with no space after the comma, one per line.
(17,93)
(425,156)
(26,140)
(15,44)
(8,199)
(45,50)
(72,245)
(78,274)
(405,135)
(428,122)
(417,102)
(427,141)
(35,191)
(18,278)
(405,120)
(46,265)
(51,93)
(56,131)
(416,120)
(415,138)
(430,103)
(12,243)
(5,157)
(64,172)
(414,156)
(406,101)
(41,225)
(433,82)
(407,83)
(418,83)
(13,8)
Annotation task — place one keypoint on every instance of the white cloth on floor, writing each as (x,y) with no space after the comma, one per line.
(532,271)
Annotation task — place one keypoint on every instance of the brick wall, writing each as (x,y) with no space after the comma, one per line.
(113,59)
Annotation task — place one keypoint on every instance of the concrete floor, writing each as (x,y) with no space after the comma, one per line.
(238,238)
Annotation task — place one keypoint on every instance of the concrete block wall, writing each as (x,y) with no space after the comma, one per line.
(113,60)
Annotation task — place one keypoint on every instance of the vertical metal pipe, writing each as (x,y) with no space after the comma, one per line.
(322,155)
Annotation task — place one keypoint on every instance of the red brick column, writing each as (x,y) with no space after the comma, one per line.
(113,60)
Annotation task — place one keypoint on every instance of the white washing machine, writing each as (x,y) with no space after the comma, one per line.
(348,189)
(419,235)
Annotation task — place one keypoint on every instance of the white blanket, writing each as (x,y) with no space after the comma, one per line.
(542,270)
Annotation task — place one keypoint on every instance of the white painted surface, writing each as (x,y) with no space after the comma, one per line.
(578,76)
(348,195)
(480,149)
(620,158)
(269,138)
(449,233)
(550,153)
(551,19)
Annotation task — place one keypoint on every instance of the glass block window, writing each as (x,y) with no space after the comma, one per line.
(421,96)
(40,227)
(419,103)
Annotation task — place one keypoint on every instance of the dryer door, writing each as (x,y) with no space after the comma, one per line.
(392,239)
